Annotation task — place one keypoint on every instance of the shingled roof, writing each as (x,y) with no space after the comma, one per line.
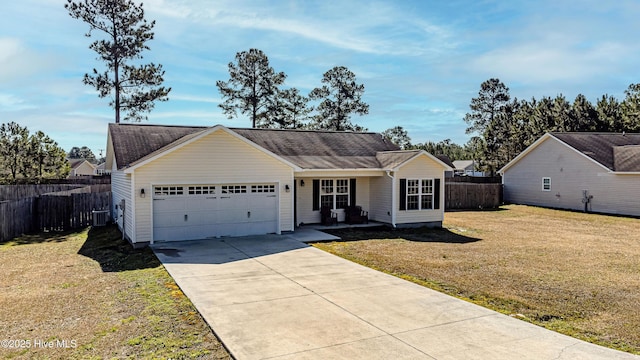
(305,148)
(615,151)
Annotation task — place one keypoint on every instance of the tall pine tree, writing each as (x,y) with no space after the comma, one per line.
(123,36)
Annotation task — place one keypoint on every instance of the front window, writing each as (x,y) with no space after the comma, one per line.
(334,193)
(546,184)
(420,194)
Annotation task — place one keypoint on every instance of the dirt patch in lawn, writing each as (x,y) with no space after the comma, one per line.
(88,294)
(575,273)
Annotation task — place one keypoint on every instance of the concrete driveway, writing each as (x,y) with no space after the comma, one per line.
(274,297)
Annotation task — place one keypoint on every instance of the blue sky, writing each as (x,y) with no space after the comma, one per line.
(421,61)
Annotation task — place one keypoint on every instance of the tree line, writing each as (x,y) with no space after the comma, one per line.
(31,157)
(504,127)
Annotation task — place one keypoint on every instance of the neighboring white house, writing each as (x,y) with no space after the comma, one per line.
(466,168)
(597,172)
(180,182)
(81,167)
(101,170)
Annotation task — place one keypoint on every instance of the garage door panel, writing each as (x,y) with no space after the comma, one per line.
(195,203)
(169,233)
(169,219)
(202,217)
(200,231)
(227,229)
(214,211)
(261,215)
(169,204)
(259,227)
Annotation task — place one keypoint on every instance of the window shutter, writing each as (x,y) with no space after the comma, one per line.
(316,194)
(403,194)
(352,192)
(436,194)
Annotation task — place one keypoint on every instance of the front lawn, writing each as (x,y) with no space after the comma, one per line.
(89,295)
(575,273)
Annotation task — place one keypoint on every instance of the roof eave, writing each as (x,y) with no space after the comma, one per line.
(344,170)
(625,172)
(420,153)
(540,141)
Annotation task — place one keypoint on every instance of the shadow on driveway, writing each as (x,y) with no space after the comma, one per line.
(224,250)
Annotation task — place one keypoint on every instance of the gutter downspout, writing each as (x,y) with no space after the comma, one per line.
(393,198)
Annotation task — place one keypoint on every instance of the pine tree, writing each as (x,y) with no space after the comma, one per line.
(252,88)
(339,97)
(125,33)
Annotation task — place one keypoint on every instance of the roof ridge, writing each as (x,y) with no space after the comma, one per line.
(163,125)
(305,130)
(593,133)
(400,151)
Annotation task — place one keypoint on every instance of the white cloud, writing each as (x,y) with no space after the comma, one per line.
(374,28)
(195,98)
(9,102)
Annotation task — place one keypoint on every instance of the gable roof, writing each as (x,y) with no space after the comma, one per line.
(446,159)
(306,149)
(602,147)
(75,163)
(132,142)
(464,164)
(613,151)
(393,159)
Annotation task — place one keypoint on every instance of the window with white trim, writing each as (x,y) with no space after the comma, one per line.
(168,190)
(546,184)
(202,190)
(419,194)
(263,188)
(334,193)
(234,189)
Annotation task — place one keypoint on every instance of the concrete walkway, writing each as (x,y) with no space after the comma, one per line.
(274,297)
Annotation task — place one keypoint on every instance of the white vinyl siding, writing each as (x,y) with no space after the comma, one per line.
(218,158)
(421,168)
(121,189)
(380,189)
(571,173)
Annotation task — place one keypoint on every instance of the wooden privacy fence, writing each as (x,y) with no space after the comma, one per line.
(51,212)
(66,212)
(15,192)
(462,195)
(16,217)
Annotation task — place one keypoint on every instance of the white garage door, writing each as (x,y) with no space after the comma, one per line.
(187,212)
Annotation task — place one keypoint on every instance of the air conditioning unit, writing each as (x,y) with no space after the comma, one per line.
(100,217)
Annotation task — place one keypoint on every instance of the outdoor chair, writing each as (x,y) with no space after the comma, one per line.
(355,215)
(327,216)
